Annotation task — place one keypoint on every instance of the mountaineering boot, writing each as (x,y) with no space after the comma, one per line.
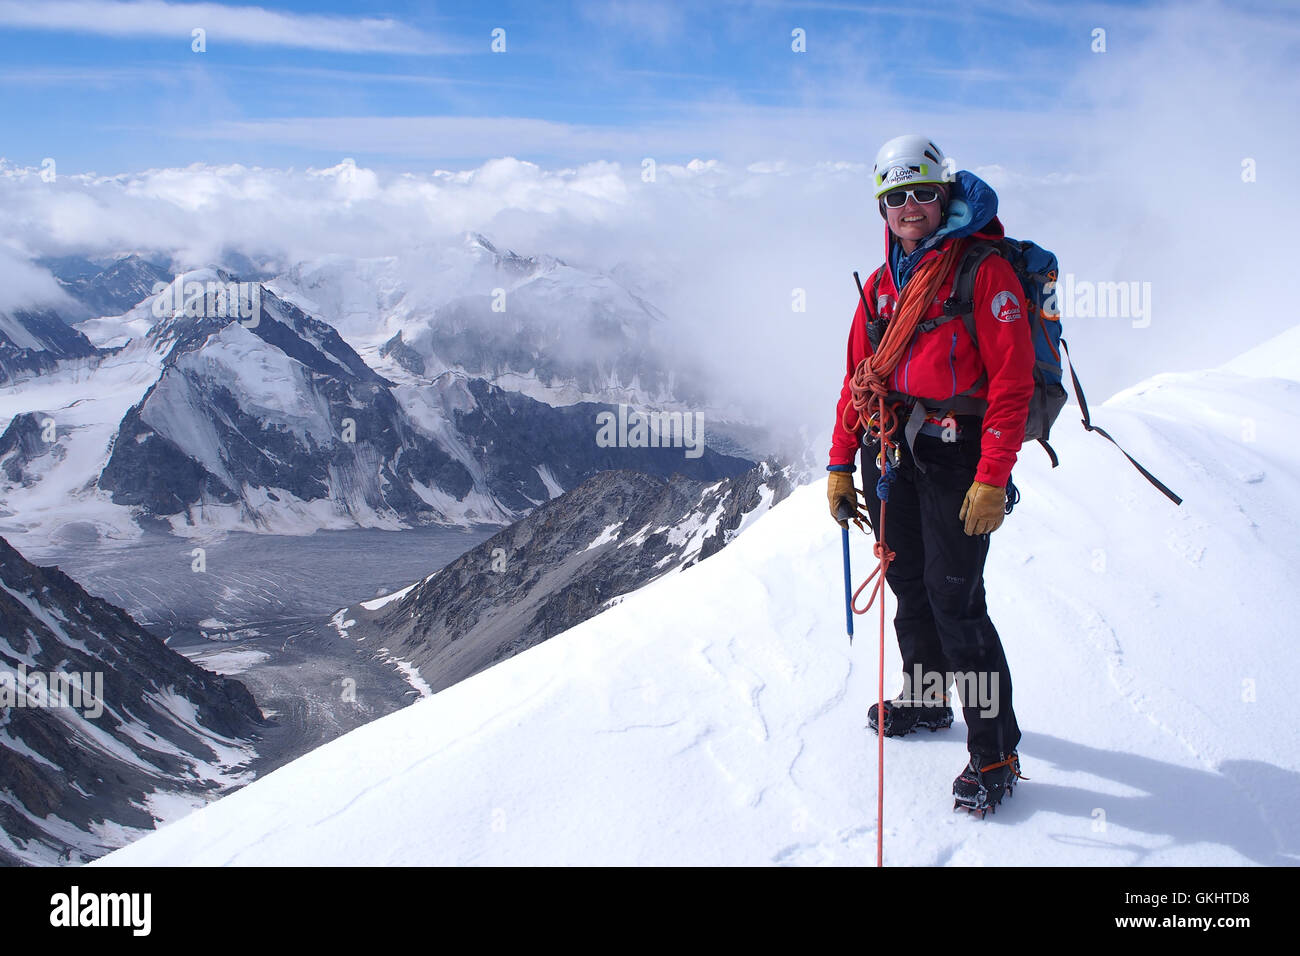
(981,786)
(904,717)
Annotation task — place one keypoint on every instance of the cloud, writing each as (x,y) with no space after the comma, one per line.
(656,21)
(198,210)
(122,76)
(24,285)
(223,23)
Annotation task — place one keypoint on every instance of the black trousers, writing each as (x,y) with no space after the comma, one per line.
(944,632)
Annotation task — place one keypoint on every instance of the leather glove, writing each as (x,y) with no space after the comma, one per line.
(984,508)
(839,488)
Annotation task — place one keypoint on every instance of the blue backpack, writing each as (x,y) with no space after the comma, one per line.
(1037,270)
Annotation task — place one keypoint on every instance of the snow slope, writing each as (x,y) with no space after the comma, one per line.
(86,399)
(716,716)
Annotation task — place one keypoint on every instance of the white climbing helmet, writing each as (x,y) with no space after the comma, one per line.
(907,160)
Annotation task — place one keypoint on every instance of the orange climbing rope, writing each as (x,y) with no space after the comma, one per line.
(868,388)
(871,376)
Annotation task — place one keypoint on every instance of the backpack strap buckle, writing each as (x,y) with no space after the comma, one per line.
(953,306)
(929,324)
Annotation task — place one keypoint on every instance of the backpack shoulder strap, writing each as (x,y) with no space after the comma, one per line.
(961,302)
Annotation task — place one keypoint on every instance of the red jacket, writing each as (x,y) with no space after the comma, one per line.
(944,361)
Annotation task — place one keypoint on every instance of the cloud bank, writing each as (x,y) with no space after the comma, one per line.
(224,22)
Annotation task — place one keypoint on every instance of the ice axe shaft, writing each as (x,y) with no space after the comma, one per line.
(844,513)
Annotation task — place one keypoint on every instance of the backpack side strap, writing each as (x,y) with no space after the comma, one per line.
(1051,453)
(1087,424)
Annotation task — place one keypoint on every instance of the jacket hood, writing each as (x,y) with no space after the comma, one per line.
(972,210)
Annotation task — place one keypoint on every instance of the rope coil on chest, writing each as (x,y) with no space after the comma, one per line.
(868,407)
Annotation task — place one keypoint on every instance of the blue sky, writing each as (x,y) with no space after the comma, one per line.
(111,86)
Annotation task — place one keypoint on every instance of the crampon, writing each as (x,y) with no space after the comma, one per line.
(905,717)
(981,786)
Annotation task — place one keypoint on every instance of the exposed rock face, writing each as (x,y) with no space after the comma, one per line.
(559,566)
(401,353)
(141,725)
(111,286)
(23,443)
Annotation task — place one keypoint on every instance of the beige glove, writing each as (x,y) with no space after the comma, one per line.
(839,488)
(984,508)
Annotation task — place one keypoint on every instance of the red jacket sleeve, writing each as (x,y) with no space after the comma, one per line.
(844,444)
(1006,349)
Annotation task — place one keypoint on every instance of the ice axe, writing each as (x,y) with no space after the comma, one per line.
(845,512)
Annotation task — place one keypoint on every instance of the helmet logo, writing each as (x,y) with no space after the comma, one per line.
(1006,307)
(898,174)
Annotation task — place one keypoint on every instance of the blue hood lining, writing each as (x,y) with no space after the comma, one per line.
(972,204)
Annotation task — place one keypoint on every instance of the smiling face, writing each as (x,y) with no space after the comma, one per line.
(913,221)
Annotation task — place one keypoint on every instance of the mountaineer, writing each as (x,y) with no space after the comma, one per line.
(960,392)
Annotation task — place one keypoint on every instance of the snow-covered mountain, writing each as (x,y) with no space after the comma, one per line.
(203,419)
(107,285)
(531,324)
(282,418)
(34,340)
(565,562)
(59,431)
(104,731)
(717,716)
